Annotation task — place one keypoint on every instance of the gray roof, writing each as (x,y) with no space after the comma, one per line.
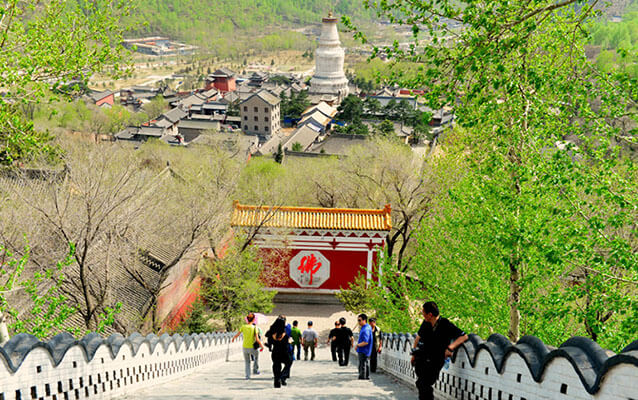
(163,123)
(231,97)
(127,133)
(209,93)
(97,96)
(222,73)
(174,115)
(266,96)
(270,146)
(259,75)
(339,143)
(191,100)
(151,131)
(198,124)
(139,88)
(215,106)
(304,136)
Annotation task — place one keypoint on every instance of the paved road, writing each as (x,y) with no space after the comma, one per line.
(319,379)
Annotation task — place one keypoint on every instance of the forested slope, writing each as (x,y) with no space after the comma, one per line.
(217,24)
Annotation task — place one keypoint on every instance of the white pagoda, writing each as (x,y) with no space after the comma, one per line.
(329,77)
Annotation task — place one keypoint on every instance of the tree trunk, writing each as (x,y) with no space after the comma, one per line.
(513,301)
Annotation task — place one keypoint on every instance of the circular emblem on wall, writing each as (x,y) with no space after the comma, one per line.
(309,269)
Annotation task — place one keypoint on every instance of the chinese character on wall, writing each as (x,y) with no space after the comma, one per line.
(309,269)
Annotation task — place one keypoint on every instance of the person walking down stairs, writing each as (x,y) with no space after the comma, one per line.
(309,340)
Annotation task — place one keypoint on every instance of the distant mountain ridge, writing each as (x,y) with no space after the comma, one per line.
(218,23)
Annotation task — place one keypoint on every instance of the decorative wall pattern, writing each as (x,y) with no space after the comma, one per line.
(93,367)
(497,369)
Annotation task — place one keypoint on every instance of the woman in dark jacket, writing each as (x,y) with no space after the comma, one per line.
(278,343)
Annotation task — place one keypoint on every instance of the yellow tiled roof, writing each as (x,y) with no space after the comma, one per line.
(312,217)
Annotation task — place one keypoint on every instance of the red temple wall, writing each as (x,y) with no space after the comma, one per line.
(345,266)
(225,84)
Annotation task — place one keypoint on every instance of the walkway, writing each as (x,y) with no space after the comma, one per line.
(319,379)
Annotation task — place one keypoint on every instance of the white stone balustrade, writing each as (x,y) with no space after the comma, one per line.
(499,370)
(64,368)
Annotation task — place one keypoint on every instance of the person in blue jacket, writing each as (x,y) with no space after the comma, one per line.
(364,346)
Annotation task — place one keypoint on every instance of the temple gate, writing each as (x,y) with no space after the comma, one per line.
(312,250)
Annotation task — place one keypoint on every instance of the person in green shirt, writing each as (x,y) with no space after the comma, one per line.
(296,339)
(251,337)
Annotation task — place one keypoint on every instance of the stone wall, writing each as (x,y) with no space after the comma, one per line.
(496,369)
(65,368)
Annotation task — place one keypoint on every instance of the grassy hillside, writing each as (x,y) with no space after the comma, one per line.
(220,25)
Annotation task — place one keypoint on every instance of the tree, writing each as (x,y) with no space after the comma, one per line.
(351,109)
(117,205)
(297,147)
(232,286)
(48,311)
(155,107)
(404,111)
(385,128)
(279,154)
(296,104)
(543,205)
(390,109)
(372,106)
(35,51)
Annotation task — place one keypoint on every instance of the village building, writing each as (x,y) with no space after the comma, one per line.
(312,250)
(303,137)
(257,79)
(223,80)
(158,46)
(260,114)
(105,98)
(329,78)
(136,96)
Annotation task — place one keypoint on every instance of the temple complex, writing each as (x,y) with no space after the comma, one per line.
(329,78)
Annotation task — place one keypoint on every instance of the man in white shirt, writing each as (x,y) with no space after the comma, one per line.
(309,340)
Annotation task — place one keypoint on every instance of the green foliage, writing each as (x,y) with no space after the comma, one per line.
(155,107)
(618,42)
(354,128)
(78,116)
(373,73)
(196,321)
(294,106)
(386,128)
(232,286)
(107,317)
(351,109)
(220,25)
(384,297)
(53,41)
(532,227)
(279,154)
(49,308)
(297,147)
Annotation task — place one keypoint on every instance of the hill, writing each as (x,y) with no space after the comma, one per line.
(218,25)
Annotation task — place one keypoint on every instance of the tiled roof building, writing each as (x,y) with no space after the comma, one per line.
(315,251)
(313,217)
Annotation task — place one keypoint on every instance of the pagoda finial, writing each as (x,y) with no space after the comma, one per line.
(329,14)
